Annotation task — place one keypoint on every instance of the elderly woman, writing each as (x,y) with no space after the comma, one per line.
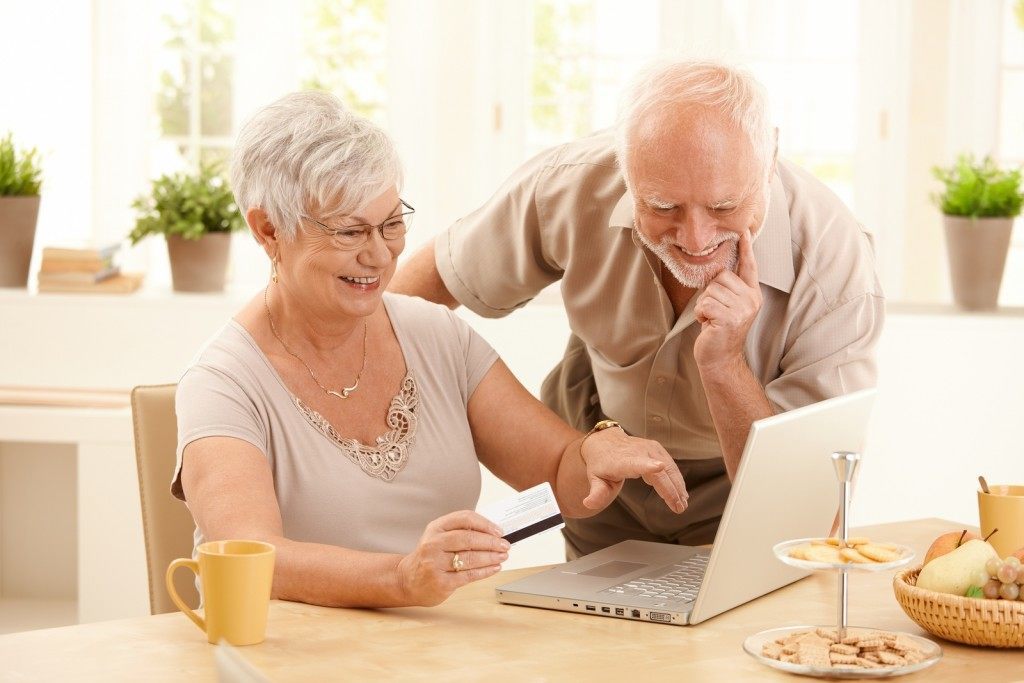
(346,425)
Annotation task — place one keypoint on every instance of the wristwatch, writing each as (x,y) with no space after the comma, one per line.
(599,427)
(603,425)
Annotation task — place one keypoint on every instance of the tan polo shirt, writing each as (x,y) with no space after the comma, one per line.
(565,215)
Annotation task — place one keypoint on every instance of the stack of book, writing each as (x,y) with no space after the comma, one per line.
(85,269)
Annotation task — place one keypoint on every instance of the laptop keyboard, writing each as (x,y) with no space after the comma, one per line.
(680,584)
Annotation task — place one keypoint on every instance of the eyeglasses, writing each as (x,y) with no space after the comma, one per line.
(355,236)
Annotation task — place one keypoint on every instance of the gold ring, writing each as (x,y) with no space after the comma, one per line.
(457,563)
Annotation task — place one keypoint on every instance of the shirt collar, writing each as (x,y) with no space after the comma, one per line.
(773,247)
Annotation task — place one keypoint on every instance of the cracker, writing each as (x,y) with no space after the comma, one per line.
(842,658)
(857,540)
(845,649)
(891,659)
(798,552)
(823,553)
(868,663)
(878,553)
(812,653)
(828,634)
(852,555)
(772,650)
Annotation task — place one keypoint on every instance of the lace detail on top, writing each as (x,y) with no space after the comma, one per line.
(387,458)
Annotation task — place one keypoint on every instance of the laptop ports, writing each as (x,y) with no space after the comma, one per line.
(591,608)
(619,612)
(606,610)
(635,614)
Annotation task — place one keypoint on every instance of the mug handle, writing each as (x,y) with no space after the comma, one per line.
(194,566)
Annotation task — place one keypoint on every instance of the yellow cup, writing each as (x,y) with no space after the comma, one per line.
(236,577)
(1003,508)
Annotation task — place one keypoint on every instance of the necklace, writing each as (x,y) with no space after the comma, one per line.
(346,391)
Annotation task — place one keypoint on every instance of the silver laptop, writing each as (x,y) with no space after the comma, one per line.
(786,488)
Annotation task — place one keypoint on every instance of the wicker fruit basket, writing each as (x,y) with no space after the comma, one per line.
(974,621)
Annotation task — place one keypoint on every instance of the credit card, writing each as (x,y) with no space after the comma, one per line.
(525,514)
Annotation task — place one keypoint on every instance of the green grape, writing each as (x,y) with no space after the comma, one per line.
(991,589)
(1013,560)
(992,566)
(1007,574)
(1009,591)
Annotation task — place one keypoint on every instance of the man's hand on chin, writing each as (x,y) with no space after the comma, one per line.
(726,309)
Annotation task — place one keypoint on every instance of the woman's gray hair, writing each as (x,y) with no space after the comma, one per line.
(307,154)
(666,84)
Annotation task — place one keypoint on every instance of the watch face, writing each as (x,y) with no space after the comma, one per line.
(605,424)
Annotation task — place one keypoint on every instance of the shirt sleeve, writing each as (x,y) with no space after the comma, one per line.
(475,354)
(495,260)
(209,403)
(833,356)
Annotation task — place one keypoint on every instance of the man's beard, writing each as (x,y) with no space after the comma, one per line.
(692,275)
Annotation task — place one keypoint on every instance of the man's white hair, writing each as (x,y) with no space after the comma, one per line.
(307,154)
(670,84)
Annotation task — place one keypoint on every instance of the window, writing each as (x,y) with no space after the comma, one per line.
(581,53)
(195,83)
(805,53)
(346,52)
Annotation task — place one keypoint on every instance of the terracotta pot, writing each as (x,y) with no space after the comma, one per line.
(199,265)
(977,249)
(17,233)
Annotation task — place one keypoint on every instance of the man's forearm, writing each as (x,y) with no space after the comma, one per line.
(735,399)
(419,277)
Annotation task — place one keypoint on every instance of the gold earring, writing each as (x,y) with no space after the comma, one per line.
(273,271)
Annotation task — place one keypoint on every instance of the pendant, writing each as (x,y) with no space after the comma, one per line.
(344,392)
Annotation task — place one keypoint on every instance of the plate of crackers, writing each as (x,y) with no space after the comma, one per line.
(858,653)
(857,553)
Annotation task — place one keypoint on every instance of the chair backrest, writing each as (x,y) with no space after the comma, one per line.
(166,521)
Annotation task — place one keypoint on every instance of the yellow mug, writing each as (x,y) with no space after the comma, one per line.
(1003,508)
(236,577)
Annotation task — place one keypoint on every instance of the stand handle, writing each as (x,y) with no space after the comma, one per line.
(845,464)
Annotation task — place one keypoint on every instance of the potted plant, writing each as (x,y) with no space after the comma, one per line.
(20,180)
(196,213)
(979,203)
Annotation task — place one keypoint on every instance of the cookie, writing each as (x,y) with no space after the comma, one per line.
(878,553)
(852,555)
(823,553)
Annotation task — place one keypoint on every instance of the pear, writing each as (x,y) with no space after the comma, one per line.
(957,570)
(947,542)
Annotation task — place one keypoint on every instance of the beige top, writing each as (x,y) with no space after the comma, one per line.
(376,497)
(565,215)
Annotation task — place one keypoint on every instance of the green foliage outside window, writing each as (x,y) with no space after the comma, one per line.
(187,204)
(346,52)
(216,33)
(979,189)
(20,172)
(560,76)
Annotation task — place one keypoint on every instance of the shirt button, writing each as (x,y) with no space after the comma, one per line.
(661,379)
(656,418)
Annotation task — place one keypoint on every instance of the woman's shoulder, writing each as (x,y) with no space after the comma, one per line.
(416,314)
(230,353)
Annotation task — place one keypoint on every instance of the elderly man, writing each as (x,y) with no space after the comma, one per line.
(706,285)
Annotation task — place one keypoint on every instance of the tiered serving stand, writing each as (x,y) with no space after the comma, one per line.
(845,465)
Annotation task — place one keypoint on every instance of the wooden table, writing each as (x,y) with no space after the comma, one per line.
(473,638)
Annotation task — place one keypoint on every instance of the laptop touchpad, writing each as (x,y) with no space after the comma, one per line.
(612,570)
